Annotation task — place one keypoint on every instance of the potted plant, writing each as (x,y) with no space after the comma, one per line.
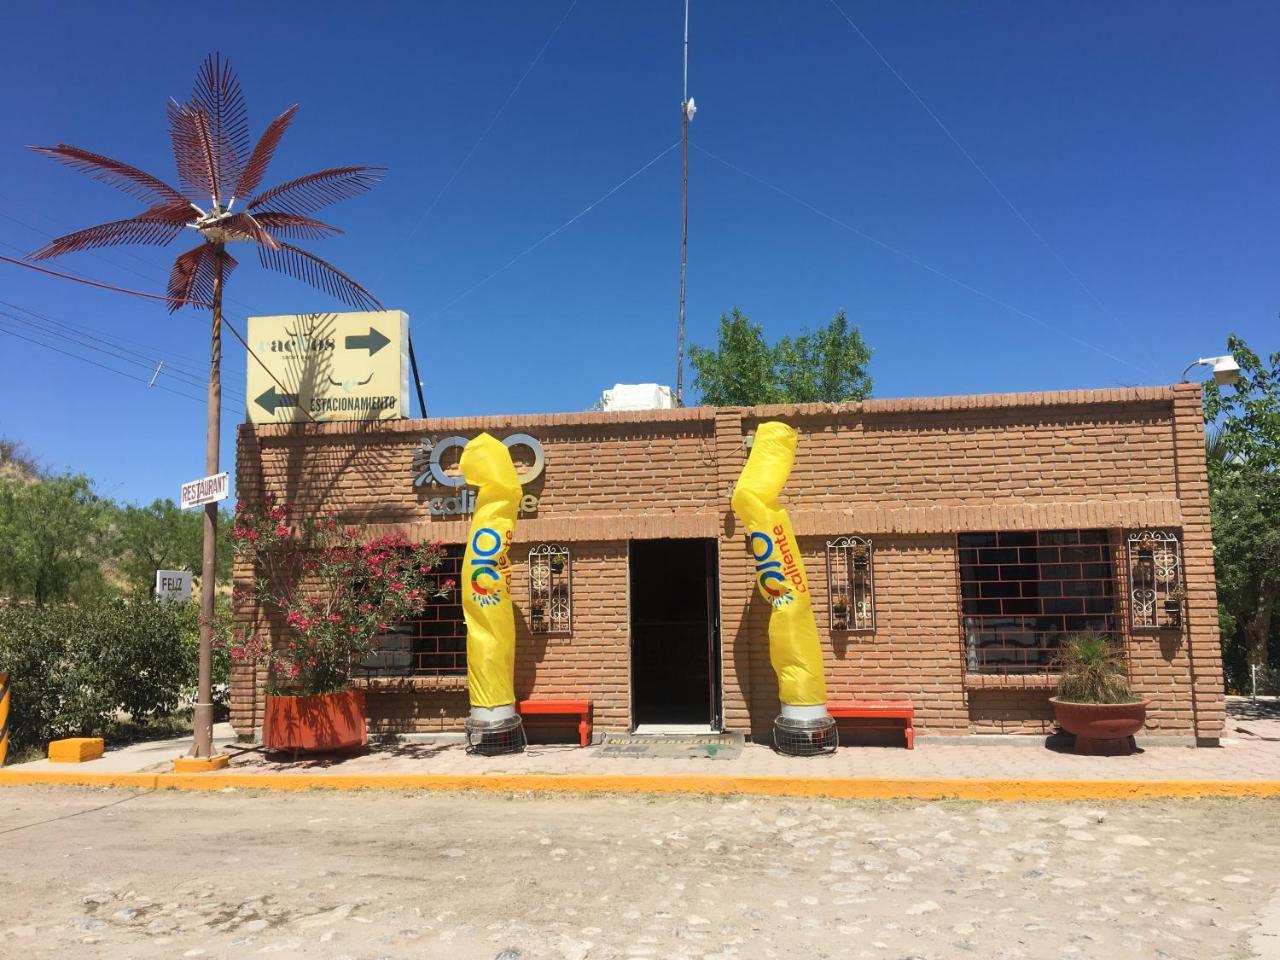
(1173,606)
(1094,701)
(333,593)
(840,609)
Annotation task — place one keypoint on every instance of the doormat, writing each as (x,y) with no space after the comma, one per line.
(698,746)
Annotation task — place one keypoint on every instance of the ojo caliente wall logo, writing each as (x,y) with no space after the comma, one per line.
(429,471)
(490,567)
(777,572)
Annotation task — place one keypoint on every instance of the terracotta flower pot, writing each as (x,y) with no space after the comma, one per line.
(326,721)
(1101,728)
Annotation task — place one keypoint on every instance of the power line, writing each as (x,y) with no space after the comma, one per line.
(942,274)
(108,350)
(104,286)
(568,223)
(103,366)
(974,163)
(128,356)
(475,146)
(122,343)
(150,296)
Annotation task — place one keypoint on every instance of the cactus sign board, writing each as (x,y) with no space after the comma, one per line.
(329,366)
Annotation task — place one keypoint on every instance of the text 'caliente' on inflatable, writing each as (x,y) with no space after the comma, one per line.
(804,727)
(493,726)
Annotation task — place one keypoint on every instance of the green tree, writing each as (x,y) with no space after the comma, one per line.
(1244,473)
(743,370)
(160,536)
(54,536)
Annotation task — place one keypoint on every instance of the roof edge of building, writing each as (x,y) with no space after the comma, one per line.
(707,415)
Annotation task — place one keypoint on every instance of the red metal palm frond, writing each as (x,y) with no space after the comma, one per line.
(307,194)
(157,227)
(134,182)
(188,131)
(217,95)
(249,226)
(191,279)
(309,268)
(295,226)
(256,167)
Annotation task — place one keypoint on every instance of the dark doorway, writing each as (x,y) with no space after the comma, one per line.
(675,637)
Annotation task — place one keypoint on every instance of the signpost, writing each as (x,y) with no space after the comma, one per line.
(329,366)
(173,585)
(205,490)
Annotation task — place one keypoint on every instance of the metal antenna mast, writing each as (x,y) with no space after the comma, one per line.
(687,109)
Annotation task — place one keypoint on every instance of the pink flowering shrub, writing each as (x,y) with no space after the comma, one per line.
(336,590)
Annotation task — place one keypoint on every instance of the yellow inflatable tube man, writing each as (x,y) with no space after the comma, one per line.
(486,581)
(794,648)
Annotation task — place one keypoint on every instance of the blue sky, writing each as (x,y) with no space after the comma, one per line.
(1139,140)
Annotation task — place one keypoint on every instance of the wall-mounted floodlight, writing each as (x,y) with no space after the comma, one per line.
(1225,369)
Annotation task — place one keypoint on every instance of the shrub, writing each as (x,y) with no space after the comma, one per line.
(335,590)
(1092,671)
(75,668)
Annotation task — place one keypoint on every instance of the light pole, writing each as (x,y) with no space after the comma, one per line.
(1226,372)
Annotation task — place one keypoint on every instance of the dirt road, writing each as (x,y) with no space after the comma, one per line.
(229,875)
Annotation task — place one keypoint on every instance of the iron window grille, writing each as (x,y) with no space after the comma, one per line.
(550,589)
(851,585)
(432,644)
(1156,591)
(1023,593)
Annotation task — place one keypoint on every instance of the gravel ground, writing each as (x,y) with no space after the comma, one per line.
(111,874)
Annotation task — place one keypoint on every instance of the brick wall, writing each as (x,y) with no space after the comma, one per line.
(910,474)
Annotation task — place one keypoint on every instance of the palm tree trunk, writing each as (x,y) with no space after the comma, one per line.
(203,716)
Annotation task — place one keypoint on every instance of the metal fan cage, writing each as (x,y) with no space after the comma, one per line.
(493,738)
(805,738)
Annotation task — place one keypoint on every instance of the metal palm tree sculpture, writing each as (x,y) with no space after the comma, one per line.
(210,136)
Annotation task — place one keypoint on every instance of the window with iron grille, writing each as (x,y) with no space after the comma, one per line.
(1024,592)
(550,589)
(1156,592)
(850,585)
(432,644)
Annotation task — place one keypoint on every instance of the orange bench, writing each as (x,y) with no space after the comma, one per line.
(900,713)
(561,708)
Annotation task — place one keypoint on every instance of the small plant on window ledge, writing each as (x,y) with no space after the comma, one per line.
(1173,606)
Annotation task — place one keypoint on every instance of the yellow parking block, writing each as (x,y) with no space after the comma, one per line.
(75,750)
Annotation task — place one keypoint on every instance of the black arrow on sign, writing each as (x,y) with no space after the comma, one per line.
(375,341)
(272,401)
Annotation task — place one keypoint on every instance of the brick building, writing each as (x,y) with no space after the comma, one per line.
(950,543)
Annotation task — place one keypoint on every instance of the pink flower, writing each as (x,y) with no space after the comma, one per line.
(282,530)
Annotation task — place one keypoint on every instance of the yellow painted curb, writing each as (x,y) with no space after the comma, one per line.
(218,761)
(819,787)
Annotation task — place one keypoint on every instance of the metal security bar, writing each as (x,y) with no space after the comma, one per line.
(550,589)
(851,585)
(1024,592)
(1156,593)
(432,644)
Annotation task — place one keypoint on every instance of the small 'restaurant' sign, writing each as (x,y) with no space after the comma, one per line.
(329,366)
(205,490)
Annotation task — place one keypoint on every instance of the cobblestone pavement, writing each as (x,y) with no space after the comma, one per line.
(482,877)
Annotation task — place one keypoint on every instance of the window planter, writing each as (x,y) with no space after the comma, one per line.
(319,723)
